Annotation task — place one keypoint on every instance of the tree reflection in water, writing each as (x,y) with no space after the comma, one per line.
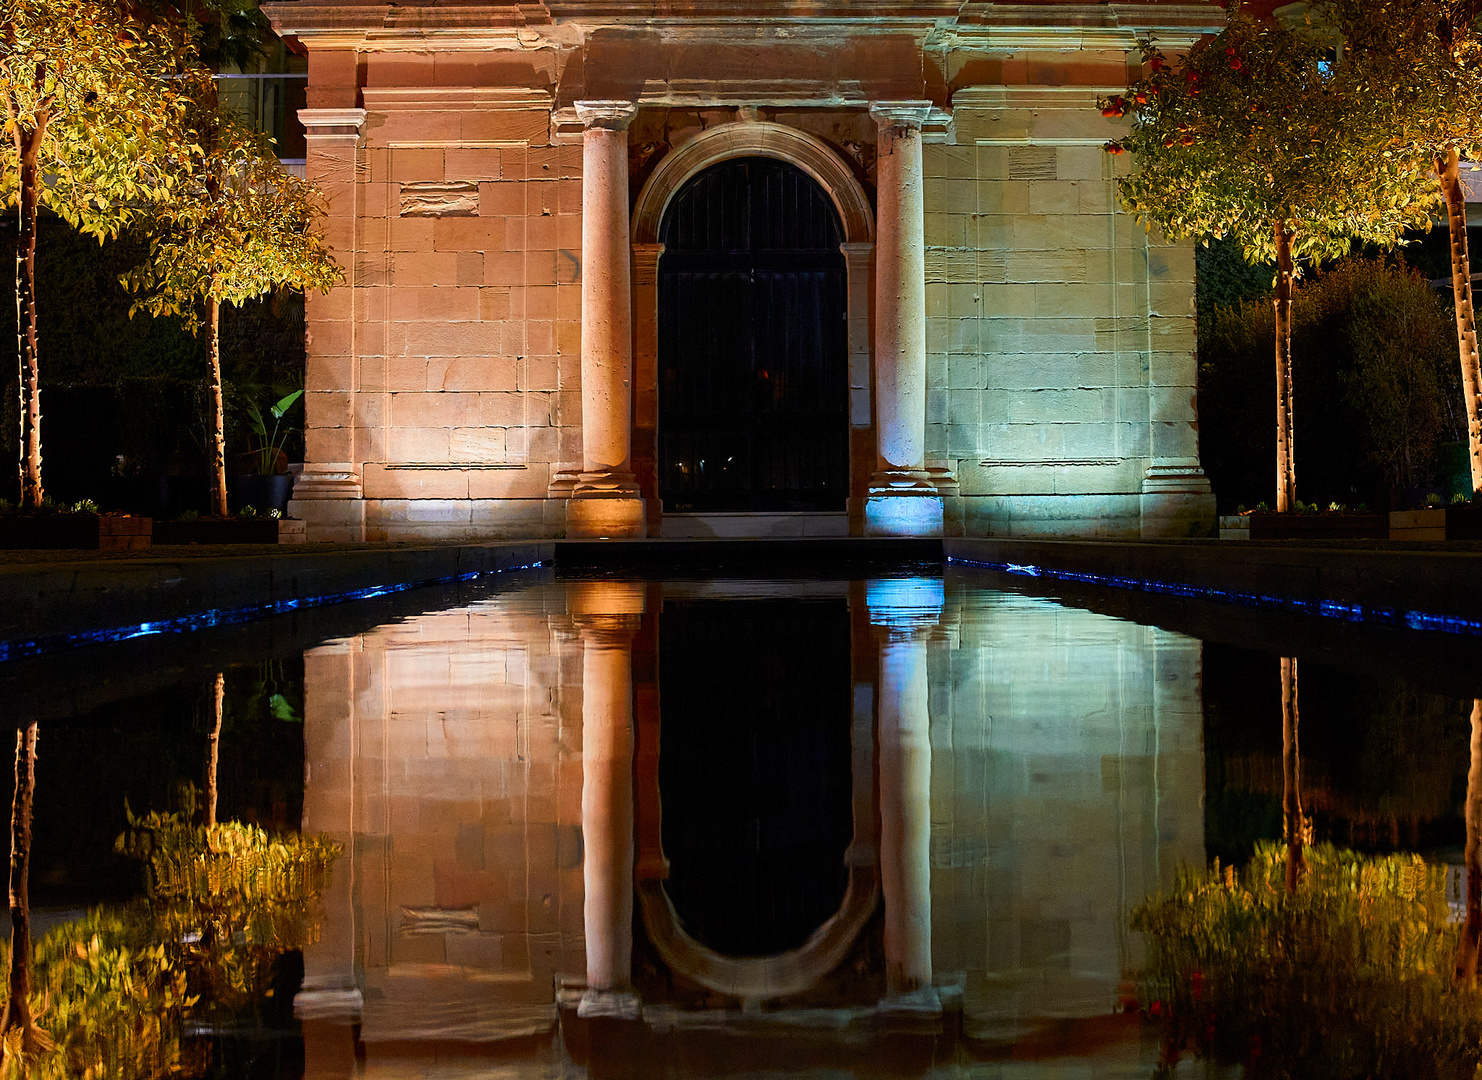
(1348,975)
(121,991)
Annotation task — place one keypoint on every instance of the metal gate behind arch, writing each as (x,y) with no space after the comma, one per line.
(753,346)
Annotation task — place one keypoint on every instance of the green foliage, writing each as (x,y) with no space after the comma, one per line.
(270,443)
(241,227)
(1376,344)
(1257,127)
(1416,66)
(97,95)
(1348,977)
(114,991)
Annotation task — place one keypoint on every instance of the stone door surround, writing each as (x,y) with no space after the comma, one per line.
(893,427)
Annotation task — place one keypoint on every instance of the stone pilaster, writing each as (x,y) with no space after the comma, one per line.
(607,615)
(902,500)
(328,495)
(906,612)
(331,993)
(605,501)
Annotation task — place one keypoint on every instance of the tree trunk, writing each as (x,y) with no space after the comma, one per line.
(1449,172)
(1291,773)
(28,145)
(218,420)
(1286,469)
(18,1006)
(213,741)
(1471,933)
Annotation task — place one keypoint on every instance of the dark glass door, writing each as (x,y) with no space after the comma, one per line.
(753,346)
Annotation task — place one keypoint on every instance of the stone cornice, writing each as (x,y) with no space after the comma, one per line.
(977,25)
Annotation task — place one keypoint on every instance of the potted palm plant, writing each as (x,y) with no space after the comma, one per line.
(269,487)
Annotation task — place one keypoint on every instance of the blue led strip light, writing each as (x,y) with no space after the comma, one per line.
(1331,609)
(14,650)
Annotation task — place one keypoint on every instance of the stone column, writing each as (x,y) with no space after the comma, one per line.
(906,611)
(605,500)
(328,495)
(902,499)
(607,614)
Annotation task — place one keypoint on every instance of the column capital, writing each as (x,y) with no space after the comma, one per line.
(329,123)
(609,114)
(909,114)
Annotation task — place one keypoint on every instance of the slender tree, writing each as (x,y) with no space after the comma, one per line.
(1249,136)
(1417,65)
(92,106)
(242,227)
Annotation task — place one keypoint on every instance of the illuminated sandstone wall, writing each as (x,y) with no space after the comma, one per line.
(445,394)
(1067,785)
(1061,335)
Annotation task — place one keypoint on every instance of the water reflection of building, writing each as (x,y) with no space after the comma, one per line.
(1007,777)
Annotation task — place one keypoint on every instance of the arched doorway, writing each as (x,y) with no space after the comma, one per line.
(753,347)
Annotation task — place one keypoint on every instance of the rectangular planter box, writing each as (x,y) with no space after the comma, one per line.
(1437,523)
(113,532)
(217,531)
(1317,526)
(1234,527)
(124,532)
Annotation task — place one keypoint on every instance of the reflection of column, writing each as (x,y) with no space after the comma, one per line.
(607,613)
(328,493)
(903,501)
(605,500)
(907,609)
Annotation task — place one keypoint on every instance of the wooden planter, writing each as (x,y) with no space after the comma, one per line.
(1329,526)
(1437,523)
(99,532)
(263,530)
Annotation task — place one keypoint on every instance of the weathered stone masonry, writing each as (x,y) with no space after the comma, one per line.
(1021,355)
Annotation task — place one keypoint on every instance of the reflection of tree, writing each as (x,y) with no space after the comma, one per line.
(18,1026)
(1466,955)
(1291,774)
(1349,975)
(114,990)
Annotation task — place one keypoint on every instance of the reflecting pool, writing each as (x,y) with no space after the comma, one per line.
(904,823)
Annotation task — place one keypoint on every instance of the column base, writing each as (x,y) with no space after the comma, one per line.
(609,1005)
(1177,500)
(606,517)
(903,512)
(328,499)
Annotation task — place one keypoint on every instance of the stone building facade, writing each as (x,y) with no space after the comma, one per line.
(980,341)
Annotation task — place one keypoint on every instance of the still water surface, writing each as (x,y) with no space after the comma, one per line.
(620,827)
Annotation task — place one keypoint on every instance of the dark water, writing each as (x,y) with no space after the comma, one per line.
(889,825)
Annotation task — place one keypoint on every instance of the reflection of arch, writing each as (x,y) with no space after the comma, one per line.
(753,977)
(755,139)
(760,977)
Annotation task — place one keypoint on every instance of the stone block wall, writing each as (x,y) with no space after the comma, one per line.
(470,312)
(1060,333)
